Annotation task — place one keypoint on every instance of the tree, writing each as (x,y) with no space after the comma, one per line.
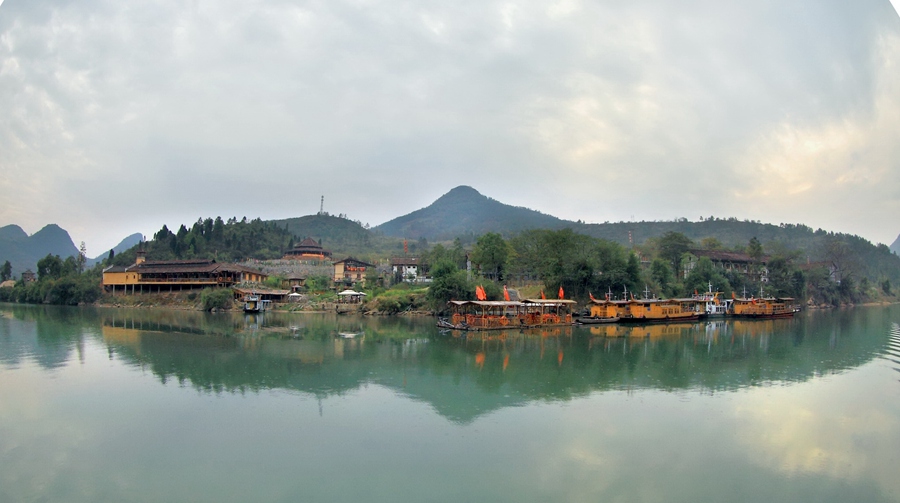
(491,253)
(448,283)
(755,249)
(6,271)
(49,267)
(672,245)
(82,257)
(703,275)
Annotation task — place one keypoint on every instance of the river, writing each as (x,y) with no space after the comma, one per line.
(157,405)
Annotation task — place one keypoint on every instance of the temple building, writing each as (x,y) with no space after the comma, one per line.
(308,249)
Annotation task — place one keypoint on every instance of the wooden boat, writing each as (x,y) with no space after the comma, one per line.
(253,304)
(763,308)
(498,314)
(595,320)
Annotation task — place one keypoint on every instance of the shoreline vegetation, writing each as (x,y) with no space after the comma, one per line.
(838,271)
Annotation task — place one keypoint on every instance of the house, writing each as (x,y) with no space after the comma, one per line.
(28,276)
(176,275)
(307,250)
(405,269)
(726,261)
(351,270)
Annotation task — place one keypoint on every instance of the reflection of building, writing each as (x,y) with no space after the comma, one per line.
(308,249)
(728,261)
(405,268)
(351,270)
(151,276)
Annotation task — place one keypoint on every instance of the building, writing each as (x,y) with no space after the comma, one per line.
(28,277)
(166,276)
(350,271)
(405,269)
(726,261)
(307,250)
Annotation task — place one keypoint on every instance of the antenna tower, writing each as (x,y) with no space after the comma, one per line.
(322,206)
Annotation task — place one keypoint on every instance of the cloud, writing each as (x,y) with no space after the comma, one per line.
(584,110)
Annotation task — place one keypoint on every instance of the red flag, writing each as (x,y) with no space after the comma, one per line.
(505,293)
(592,297)
(561,292)
(542,295)
(480,293)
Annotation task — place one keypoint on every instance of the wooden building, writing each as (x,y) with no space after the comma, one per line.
(165,276)
(726,261)
(307,250)
(351,271)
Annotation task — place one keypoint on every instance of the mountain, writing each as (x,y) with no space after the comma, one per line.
(465,212)
(24,251)
(125,244)
(896,246)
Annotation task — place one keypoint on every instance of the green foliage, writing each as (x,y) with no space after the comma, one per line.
(886,287)
(448,283)
(215,298)
(579,263)
(6,271)
(318,283)
(703,275)
(671,246)
(492,254)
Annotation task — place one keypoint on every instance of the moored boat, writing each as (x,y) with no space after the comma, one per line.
(499,314)
(254,304)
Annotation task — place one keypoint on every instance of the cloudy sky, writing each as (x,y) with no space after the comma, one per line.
(119,117)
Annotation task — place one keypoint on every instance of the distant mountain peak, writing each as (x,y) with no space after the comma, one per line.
(464,211)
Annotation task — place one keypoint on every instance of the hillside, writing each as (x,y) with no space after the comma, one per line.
(337,234)
(896,246)
(23,251)
(465,212)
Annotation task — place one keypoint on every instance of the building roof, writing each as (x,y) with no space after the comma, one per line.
(354,260)
(405,261)
(204,266)
(726,256)
(308,246)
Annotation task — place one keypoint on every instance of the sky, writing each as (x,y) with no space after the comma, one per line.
(120,117)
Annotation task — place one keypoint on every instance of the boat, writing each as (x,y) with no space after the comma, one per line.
(763,307)
(502,314)
(710,305)
(595,320)
(253,304)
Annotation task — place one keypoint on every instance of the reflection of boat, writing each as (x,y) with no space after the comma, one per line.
(349,335)
(498,315)
(253,304)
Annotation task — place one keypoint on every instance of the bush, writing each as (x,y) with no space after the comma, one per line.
(215,298)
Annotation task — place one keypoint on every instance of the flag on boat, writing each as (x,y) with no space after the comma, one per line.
(542,295)
(592,297)
(561,296)
(505,293)
(479,293)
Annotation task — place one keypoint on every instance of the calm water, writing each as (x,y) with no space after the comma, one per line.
(117,405)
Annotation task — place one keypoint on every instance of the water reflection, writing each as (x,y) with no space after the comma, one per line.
(462,375)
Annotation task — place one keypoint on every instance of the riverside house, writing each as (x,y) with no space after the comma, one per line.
(167,276)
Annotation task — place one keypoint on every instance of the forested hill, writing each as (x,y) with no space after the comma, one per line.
(464,212)
(337,234)
(896,246)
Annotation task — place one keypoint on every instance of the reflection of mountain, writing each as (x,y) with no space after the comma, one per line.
(461,377)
